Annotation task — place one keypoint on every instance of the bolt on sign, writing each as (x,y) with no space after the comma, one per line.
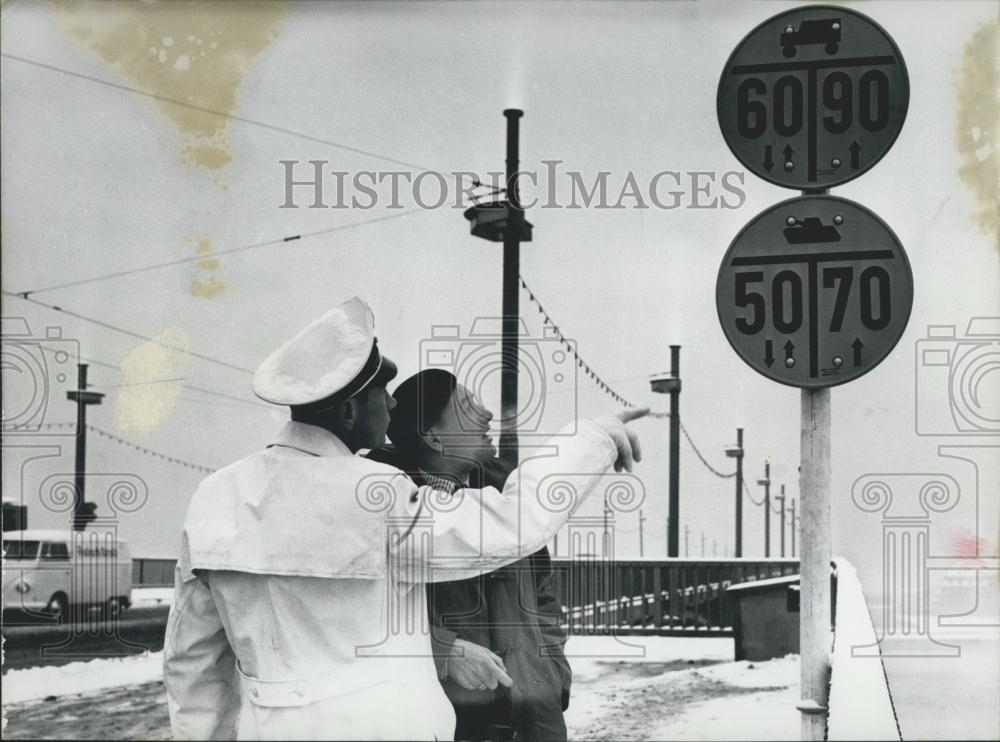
(815,291)
(813,97)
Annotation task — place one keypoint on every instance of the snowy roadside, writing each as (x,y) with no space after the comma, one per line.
(630,688)
(152,596)
(681,689)
(55,681)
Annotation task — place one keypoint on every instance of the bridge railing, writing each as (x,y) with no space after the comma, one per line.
(679,597)
(667,597)
(153,572)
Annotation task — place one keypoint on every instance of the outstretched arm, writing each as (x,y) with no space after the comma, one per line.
(435,538)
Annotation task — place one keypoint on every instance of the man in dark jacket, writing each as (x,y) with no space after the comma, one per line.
(497,637)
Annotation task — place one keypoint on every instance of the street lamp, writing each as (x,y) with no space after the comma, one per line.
(736,452)
(781,498)
(83,511)
(671,384)
(503,221)
(765,481)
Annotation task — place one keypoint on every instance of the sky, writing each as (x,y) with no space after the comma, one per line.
(103,174)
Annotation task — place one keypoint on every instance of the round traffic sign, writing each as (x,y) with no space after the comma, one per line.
(813,97)
(814,292)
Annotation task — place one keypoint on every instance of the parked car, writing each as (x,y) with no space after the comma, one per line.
(64,572)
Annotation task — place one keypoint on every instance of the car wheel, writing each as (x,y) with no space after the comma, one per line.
(114,608)
(58,608)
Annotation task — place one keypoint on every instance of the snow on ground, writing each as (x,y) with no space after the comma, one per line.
(36,683)
(152,596)
(769,713)
(628,689)
(681,689)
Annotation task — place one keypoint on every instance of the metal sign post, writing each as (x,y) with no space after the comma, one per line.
(814,564)
(814,291)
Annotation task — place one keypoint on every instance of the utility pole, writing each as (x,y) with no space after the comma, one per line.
(736,452)
(83,511)
(642,519)
(607,541)
(766,481)
(702,544)
(687,532)
(715,548)
(792,526)
(555,545)
(668,536)
(781,498)
(671,385)
(511,295)
(504,221)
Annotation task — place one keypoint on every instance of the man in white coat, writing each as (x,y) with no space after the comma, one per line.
(300,609)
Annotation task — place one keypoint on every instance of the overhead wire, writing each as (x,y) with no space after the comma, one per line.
(129,333)
(606,387)
(185,385)
(229,251)
(750,496)
(214,112)
(142,449)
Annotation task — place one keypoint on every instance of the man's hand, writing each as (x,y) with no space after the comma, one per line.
(625,439)
(476,668)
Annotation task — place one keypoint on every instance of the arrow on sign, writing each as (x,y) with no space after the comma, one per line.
(855,154)
(789,352)
(788,152)
(857,345)
(768,162)
(768,353)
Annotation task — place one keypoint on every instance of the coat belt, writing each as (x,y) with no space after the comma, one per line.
(302,692)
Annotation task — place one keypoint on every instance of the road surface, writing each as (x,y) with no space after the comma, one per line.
(139,630)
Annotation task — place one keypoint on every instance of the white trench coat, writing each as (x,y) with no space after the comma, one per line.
(300,604)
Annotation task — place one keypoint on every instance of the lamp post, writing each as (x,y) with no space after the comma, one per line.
(736,452)
(781,498)
(642,519)
(766,481)
(791,526)
(503,221)
(671,384)
(83,511)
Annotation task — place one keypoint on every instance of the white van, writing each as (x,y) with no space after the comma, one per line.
(49,571)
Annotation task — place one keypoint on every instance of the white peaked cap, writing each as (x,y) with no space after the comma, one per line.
(322,359)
